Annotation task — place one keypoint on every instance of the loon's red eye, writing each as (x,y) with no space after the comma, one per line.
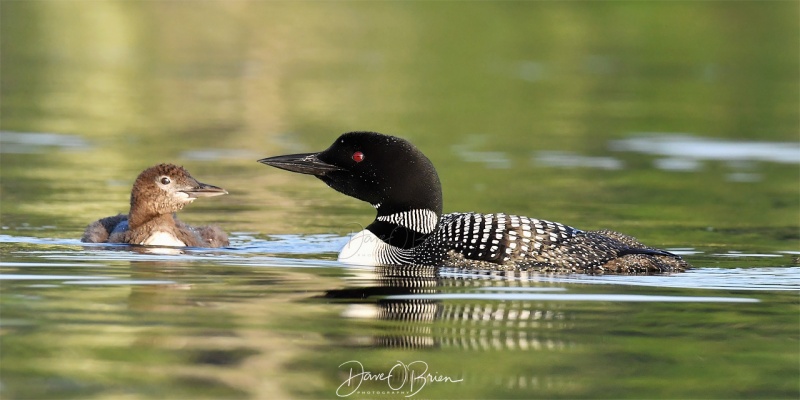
(358,156)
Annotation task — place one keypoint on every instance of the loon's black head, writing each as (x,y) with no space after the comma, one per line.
(385,171)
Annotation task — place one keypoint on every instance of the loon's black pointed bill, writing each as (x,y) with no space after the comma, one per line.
(302,163)
(204,190)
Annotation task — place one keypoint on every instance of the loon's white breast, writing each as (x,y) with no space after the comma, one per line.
(365,248)
(362,249)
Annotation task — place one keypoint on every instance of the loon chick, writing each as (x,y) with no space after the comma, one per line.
(402,184)
(157,194)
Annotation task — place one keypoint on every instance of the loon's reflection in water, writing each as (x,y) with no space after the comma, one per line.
(463,324)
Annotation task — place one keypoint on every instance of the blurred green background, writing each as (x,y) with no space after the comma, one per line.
(520,105)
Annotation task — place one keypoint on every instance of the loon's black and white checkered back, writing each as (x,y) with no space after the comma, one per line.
(502,241)
(499,238)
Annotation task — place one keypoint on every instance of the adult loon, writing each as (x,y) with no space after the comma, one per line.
(157,194)
(401,183)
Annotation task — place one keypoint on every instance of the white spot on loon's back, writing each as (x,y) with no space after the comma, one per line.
(160,238)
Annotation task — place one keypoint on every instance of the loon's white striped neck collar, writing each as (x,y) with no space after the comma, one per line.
(419,220)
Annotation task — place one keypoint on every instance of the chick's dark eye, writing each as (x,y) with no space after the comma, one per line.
(358,156)
(165,180)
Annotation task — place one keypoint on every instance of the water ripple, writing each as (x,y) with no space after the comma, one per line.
(746,279)
(35,142)
(636,298)
(688,147)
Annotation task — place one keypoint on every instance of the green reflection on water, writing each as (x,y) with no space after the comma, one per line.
(222,332)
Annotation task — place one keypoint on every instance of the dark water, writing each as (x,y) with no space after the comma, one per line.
(674,122)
